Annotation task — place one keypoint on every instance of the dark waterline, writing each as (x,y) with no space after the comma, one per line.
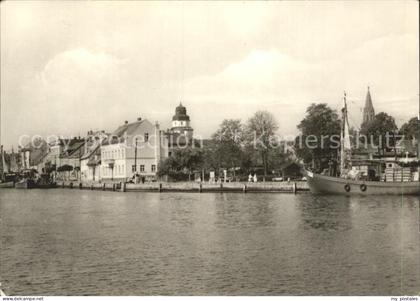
(72,242)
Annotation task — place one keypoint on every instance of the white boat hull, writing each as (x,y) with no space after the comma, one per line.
(320,184)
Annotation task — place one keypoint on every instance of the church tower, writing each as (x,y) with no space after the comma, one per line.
(181,122)
(368,111)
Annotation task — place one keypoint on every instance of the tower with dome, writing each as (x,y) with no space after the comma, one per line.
(181,133)
(181,123)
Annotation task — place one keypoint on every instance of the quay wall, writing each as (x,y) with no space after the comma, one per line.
(244,187)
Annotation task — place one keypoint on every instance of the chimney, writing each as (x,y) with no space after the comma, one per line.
(138,118)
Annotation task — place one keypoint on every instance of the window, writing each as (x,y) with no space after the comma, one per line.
(141,167)
(133,168)
(146,137)
(153,168)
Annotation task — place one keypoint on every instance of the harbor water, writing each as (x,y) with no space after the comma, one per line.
(81,242)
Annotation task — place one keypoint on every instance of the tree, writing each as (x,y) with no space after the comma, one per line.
(319,136)
(261,129)
(411,129)
(183,160)
(377,130)
(227,143)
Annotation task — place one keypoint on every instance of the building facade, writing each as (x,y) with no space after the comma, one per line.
(90,163)
(134,148)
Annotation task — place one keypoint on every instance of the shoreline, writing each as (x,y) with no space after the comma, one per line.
(243,187)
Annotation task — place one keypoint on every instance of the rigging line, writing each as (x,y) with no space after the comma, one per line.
(352,121)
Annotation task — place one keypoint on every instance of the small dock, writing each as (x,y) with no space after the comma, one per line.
(285,187)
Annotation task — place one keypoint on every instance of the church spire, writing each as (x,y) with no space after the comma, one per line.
(368,111)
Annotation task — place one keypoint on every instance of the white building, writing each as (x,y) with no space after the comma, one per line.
(90,163)
(134,147)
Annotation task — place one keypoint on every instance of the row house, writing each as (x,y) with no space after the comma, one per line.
(133,149)
(90,162)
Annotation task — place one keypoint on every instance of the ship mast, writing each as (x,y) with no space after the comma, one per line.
(345,152)
(3,164)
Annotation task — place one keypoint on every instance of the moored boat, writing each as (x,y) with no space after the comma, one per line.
(394,177)
(45,181)
(322,184)
(25,184)
(29,181)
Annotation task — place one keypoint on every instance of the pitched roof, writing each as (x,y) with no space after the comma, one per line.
(368,101)
(73,149)
(92,150)
(129,129)
(368,110)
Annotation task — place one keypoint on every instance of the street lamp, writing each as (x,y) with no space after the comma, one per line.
(135,156)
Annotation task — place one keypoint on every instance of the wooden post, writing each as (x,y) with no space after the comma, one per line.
(200,188)
(80,185)
(103,186)
(71,184)
(123,187)
(294,188)
(221,187)
(244,188)
(160,187)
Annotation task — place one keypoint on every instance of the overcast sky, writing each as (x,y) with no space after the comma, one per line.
(68,67)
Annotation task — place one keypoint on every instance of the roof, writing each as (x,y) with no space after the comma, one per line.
(92,150)
(368,101)
(127,129)
(368,110)
(73,149)
(181,113)
(93,162)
